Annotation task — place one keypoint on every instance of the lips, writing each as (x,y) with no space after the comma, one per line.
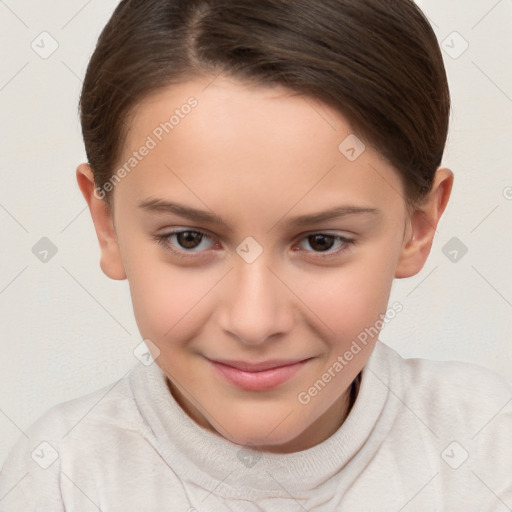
(258,367)
(261,376)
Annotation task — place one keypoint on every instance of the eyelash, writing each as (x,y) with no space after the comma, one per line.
(163,240)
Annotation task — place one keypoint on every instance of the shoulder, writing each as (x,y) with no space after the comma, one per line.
(107,406)
(452,394)
(452,420)
(453,378)
(63,436)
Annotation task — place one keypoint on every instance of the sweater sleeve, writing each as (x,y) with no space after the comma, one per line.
(30,477)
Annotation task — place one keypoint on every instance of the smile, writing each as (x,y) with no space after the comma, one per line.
(257,377)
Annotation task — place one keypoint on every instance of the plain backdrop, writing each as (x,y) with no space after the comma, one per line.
(68,330)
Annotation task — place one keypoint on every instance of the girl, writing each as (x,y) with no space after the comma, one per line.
(260,173)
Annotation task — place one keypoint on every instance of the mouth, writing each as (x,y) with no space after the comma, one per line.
(261,376)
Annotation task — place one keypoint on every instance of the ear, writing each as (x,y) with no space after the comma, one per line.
(110,262)
(422,225)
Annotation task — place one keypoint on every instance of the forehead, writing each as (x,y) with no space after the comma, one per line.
(240,140)
(225,109)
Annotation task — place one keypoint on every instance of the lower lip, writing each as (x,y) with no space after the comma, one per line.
(258,381)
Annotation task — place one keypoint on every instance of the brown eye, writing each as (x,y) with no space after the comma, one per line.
(189,239)
(321,242)
(185,242)
(325,245)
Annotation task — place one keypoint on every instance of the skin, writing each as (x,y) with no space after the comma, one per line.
(257,157)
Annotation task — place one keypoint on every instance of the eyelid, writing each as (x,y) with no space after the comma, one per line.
(329,232)
(185,229)
(347,243)
(302,236)
(164,237)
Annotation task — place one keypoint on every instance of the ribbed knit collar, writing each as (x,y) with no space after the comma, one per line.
(219,466)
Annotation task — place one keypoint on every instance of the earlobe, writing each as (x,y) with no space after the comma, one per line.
(111,262)
(422,226)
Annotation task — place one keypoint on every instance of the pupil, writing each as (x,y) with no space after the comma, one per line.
(323,242)
(188,239)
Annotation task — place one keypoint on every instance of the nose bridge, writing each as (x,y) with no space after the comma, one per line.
(257,305)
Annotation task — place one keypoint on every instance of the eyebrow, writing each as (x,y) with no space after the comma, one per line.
(202,216)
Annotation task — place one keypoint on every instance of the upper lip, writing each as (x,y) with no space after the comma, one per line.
(258,367)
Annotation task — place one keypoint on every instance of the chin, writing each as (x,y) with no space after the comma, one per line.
(270,435)
(259,442)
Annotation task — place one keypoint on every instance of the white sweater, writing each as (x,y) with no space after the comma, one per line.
(422,436)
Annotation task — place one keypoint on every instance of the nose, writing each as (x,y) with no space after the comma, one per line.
(257,306)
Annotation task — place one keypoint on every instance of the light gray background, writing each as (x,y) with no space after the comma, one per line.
(68,330)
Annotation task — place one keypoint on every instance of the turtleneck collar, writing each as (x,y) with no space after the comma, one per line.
(218,465)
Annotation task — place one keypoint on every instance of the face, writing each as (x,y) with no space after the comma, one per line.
(250,291)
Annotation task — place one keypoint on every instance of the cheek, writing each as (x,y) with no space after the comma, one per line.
(169,301)
(348,299)
(173,303)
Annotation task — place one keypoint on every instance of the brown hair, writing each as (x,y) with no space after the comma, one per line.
(377,62)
